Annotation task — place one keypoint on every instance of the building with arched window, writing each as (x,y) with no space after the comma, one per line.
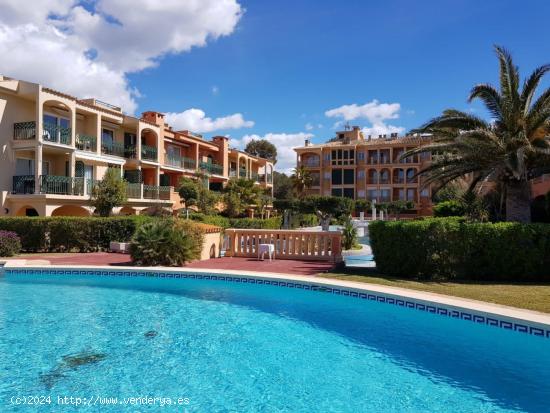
(360,167)
(59,146)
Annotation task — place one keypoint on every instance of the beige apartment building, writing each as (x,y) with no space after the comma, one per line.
(359,167)
(54,147)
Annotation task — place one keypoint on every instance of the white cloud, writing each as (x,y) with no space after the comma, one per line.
(374,112)
(196,120)
(285,142)
(215,90)
(309,126)
(89,53)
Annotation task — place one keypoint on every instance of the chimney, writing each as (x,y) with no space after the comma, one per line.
(306,143)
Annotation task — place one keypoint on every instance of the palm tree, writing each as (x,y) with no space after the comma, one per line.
(301,180)
(510,150)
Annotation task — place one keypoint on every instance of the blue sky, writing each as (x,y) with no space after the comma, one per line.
(274,68)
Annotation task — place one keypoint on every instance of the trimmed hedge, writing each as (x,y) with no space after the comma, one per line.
(224,222)
(63,234)
(451,248)
(451,208)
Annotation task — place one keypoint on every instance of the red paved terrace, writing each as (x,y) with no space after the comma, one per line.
(227,263)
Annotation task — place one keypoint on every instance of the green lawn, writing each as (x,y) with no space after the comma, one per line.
(530,296)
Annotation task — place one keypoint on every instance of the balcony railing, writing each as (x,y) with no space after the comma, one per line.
(86,143)
(149,153)
(242,172)
(113,148)
(233,173)
(180,162)
(56,133)
(133,190)
(255,177)
(156,192)
(61,185)
(311,163)
(23,184)
(24,131)
(212,168)
(269,178)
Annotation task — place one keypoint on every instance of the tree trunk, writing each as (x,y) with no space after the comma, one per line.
(518,201)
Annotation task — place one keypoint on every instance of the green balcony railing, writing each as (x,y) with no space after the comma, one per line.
(56,133)
(212,168)
(61,185)
(255,177)
(232,173)
(149,153)
(242,172)
(133,190)
(113,148)
(86,143)
(156,192)
(269,178)
(180,162)
(23,184)
(91,184)
(24,131)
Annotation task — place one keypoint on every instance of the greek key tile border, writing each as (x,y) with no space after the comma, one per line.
(489,320)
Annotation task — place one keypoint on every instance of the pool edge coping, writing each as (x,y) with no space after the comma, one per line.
(484,308)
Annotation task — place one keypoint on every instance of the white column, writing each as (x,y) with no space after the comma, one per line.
(73,127)
(98,134)
(138,143)
(72,164)
(37,167)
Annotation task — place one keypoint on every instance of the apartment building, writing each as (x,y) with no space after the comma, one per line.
(55,147)
(359,167)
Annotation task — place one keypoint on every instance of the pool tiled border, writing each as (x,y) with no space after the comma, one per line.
(520,320)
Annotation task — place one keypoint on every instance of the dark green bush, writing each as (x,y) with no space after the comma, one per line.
(447,248)
(61,234)
(10,244)
(453,208)
(162,242)
(224,222)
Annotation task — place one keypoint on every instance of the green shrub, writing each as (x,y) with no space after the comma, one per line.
(447,248)
(162,242)
(10,244)
(194,231)
(349,234)
(62,234)
(452,208)
(224,222)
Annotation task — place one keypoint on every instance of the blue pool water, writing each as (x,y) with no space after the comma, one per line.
(250,348)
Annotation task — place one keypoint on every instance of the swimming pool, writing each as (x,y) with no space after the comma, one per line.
(231,344)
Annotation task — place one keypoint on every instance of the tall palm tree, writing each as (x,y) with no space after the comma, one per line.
(301,180)
(511,149)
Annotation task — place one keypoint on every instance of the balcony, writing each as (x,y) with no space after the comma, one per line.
(149,153)
(86,143)
(242,172)
(56,134)
(233,173)
(23,184)
(211,168)
(61,185)
(180,162)
(24,131)
(114,148)
(156,192)
(311,163)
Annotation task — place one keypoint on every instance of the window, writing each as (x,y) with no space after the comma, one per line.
(26,167)
(360,174)
(372,194)
(327,157)
(349,177)
(336,177)
(336,192)
(385,195)
(343,157)
(327,175)
(411,194)
(360,156)
(361,193)
(425,193)
(349,193)
(107,136)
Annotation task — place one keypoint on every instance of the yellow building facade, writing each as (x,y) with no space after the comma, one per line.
(54,147)
(365,167)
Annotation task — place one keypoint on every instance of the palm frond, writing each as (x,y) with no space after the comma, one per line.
(530,87)
(489,96)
